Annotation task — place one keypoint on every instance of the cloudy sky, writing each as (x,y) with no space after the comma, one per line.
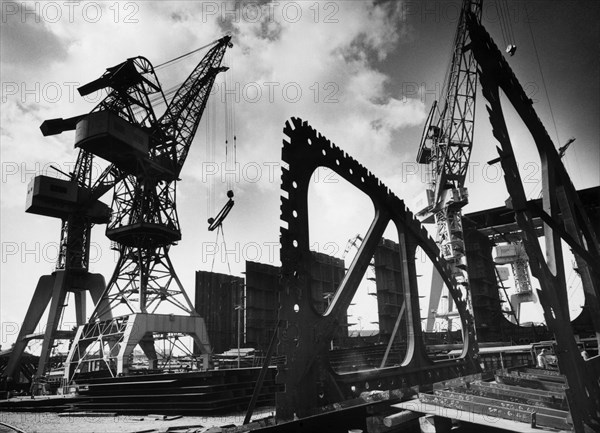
(362,73)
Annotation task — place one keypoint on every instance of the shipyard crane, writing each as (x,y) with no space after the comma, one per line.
(355,242)
(75,201)
(445,148)
(144,225)
(514,254)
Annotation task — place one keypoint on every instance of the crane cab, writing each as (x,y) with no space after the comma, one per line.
(127,146)
(112,138)
(59,198)
(49,196)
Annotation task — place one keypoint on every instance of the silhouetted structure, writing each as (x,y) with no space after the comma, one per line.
(217,295)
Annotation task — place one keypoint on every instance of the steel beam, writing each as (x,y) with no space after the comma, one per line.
(305,335)
(562,212)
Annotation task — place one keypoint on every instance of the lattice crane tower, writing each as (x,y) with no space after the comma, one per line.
(446,147)
(75,201)
(133,310)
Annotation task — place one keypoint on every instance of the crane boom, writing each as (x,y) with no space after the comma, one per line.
(445,147)
(448,135)
(453,150)
(179,123)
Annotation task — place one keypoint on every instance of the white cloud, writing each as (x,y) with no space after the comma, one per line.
(329,63)
(321,68)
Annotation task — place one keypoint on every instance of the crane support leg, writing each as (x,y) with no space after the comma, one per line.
(52,290)
(54,315)
(435,294)
(41,299)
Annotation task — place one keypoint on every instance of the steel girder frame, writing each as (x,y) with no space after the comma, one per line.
(564,218)
(111,342)
(304,336)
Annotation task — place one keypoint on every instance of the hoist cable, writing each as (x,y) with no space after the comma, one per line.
(213,150)
(212,266)
(212,130)
(545,92)
(207,151)
(230,134)
(231,61)
(224,243)
(501,21)
(541,72)
(227,130)
(225,247)
(158,99)
(509,27)
(185,55)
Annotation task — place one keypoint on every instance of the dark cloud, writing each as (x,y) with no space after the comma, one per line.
(26,41)
(177,17)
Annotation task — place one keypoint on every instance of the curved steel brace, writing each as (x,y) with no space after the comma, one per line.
(564,218)
(305,335)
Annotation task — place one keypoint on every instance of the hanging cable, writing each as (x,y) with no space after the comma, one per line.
(185,55)
(541,72)
(230,162)
(225,249)
(224,243)
(230,134)
(227,131)
(506,26)
(158,100)
(233,103)
(509,27)
(210,153)
(501,20)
